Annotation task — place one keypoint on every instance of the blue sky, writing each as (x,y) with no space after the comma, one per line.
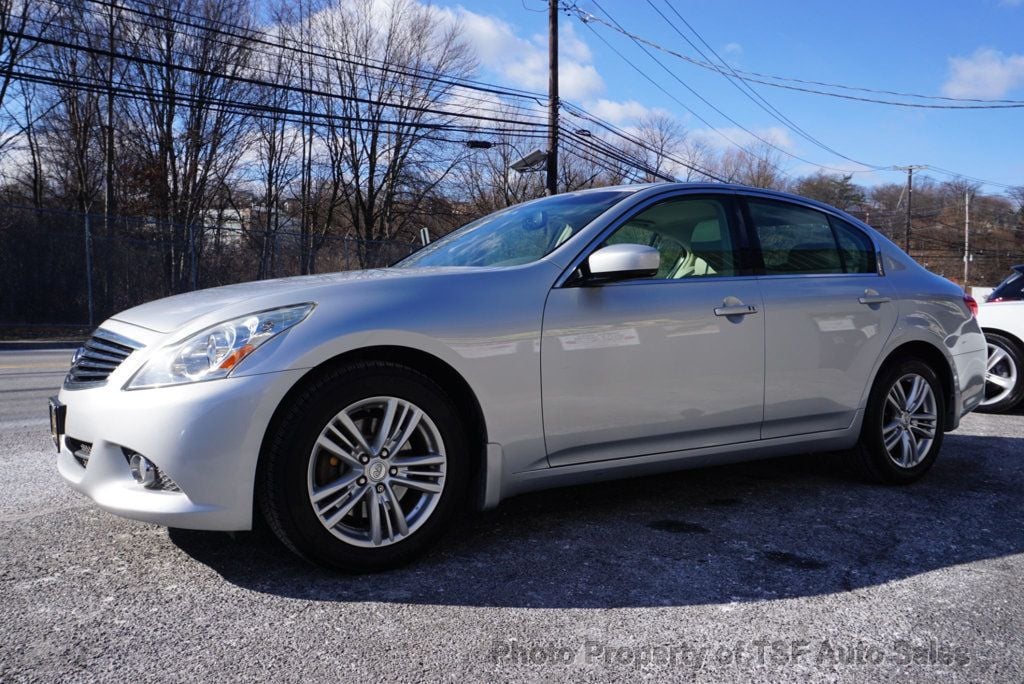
(964,48)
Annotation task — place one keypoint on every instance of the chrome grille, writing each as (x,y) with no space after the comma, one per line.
(101,355)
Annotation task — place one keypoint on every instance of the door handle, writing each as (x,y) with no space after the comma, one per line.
(735,310)
(872,297)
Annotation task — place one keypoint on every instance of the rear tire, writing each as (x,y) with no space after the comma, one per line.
(1004,375)
(902,431)
(367,501)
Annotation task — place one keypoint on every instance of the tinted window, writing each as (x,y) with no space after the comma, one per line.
(794,239)
(1010,289)
(855,247)
(692,236)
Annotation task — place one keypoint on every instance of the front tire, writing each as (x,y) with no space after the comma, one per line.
(1004,375)
(366,467)
(902,432)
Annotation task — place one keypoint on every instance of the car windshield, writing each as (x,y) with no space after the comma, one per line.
(1011,288)
(519,234)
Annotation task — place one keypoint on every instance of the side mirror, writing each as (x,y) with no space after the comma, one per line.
(618,262)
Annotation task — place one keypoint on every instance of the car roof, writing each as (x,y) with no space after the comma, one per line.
(654,188)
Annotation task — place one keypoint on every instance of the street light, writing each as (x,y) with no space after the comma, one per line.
(531,162)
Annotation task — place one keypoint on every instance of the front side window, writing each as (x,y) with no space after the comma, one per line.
(691,235)
(519,234)
(794,240)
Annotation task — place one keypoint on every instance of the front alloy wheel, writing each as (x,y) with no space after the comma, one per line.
(365,466)
(377,471)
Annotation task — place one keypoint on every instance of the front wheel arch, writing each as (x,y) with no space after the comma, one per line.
(434,368)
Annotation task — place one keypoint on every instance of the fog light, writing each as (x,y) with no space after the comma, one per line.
(144,471)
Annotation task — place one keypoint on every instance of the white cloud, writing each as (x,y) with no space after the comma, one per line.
(618,112)
(523,62)
(734,50)
(776,135)
(986,73)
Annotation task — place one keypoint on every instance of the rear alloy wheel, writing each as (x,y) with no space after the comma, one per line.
(902,431)
(366,468)
(1004,386)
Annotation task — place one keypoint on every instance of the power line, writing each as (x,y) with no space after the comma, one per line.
(677,100)
(233,106)
(586,17)
(699,97)
(746,89)
(248,35)
(265,38)
(135,59)
(584,115)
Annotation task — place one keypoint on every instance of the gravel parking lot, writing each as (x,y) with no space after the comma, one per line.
(775,570)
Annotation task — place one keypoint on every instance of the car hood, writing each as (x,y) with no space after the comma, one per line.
(171,313)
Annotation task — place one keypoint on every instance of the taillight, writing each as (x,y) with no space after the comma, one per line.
(971,304)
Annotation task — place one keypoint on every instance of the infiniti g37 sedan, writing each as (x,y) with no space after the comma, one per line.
(585,336)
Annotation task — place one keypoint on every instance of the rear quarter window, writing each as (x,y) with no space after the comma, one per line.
(855,247)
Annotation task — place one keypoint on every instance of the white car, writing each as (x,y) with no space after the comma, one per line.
(1002,320)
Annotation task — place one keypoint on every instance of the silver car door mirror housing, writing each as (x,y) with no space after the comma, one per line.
(617,262)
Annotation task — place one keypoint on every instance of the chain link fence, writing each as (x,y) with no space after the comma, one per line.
(72,269)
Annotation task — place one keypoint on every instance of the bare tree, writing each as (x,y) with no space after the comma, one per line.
(185,131)
(275,141)
(661,139)
(388,151)
(19,20)
(758,166)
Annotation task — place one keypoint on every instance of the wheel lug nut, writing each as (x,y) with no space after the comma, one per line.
(394,471)
(361,481)
(380,488)
(364,459)
(383,453)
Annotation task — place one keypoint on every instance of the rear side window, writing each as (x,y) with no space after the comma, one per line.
(855,248)
(794,239)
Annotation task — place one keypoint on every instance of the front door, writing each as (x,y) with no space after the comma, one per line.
(661,364)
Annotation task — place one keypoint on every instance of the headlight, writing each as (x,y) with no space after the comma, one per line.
(213,353)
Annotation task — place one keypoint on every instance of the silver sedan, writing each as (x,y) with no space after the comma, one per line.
(592,335)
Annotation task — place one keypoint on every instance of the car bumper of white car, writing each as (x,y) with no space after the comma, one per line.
(204,438)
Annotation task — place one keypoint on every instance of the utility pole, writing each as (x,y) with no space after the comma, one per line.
(88,268)
(910,201)
(108,136)
(967,236)
(552,160)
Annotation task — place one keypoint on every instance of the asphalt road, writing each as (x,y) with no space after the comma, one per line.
(785,569)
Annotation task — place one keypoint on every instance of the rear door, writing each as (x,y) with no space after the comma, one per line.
(828,313)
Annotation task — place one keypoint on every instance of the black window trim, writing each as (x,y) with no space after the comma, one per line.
(730,199)
(750,231)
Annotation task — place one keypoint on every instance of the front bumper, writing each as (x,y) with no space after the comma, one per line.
(205,436)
